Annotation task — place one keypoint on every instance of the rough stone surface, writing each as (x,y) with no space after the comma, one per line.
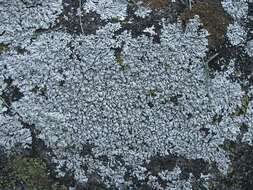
(117,94)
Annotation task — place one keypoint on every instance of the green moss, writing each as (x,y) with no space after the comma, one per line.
(115,19)
(167,67)
(216,119)
(213,17)
(3,48)
(119,59)
(245,103)
(152,93)
(242,109)
(34,36)
(229,147)
(238,73)
(32,172)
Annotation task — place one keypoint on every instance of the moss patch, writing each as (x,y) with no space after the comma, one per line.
(152,93)
(3,48)
(216,119)
(22,171)
(119,58)
(213,17)
(242,109)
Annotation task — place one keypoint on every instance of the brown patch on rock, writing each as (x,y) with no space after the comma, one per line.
(213,17)
(156,4)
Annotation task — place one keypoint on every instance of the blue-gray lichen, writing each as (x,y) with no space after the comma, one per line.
(19,19)
(238,10)
(108,8)
(106,104)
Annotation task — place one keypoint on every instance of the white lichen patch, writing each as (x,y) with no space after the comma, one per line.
(249,48)
(107,103)
(150,30)
(171,179)
(87,107)
(108,9)
(12,133)
(238,9)
(236,34)
(142,11)
(19,19)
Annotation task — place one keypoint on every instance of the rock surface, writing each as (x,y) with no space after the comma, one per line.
(126,94)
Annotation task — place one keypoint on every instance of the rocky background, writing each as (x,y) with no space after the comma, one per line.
(126,94)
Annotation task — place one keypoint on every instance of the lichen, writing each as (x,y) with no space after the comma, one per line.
(120,100)
(19,19)
(238,11)
(107,9)
(236,34)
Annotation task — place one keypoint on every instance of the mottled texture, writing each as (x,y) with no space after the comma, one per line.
(126,94)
